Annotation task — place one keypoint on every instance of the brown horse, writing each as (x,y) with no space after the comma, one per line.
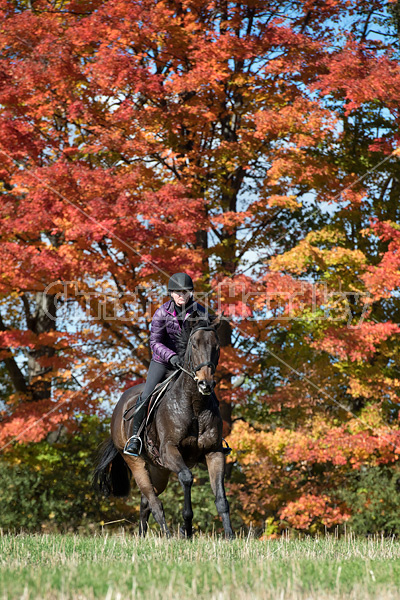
(186,429)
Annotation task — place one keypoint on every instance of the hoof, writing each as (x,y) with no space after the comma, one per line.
(183,533)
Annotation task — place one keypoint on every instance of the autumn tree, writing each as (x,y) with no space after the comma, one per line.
(137,140)
(332,404)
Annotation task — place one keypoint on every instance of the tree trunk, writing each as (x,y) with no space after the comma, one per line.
(43,320)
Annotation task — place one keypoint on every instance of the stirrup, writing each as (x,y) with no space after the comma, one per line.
(133,437)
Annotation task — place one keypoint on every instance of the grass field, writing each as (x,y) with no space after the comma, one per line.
(122,566)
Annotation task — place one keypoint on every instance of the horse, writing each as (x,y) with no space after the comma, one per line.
(186,429)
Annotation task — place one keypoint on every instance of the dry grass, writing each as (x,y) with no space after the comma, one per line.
(122,567)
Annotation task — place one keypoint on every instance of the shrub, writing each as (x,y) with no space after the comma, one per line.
(373,497)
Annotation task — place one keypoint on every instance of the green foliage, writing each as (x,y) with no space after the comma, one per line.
(47,486)
(373,495)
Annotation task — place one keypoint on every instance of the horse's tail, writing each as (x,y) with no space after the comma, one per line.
(111,475)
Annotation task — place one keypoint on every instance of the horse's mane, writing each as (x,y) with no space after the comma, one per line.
(195,321)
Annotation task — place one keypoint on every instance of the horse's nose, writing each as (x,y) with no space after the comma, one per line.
(205,388)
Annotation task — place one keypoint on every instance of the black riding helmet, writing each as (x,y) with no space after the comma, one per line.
(179,282)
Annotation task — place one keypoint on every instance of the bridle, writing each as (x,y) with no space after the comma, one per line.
(193,369)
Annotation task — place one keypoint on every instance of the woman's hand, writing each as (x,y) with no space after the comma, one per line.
(174,360)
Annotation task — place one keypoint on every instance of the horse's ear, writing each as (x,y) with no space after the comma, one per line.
(215,320)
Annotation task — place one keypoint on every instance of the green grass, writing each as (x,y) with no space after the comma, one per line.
(122,567)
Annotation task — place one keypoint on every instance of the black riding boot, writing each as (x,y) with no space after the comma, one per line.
(133,446)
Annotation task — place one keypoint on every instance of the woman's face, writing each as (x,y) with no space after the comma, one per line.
(181,298)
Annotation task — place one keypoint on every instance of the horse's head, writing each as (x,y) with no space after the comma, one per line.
(202,350)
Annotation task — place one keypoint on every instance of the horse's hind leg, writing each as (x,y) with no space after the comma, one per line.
(142,478)
(159,479)
(173,460)
(216,469)
(145,511)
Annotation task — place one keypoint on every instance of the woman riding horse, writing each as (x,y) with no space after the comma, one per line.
(185,428)
(166,327)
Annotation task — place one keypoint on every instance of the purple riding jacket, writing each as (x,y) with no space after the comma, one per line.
(165,329)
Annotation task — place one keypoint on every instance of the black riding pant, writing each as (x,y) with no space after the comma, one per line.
(156,373)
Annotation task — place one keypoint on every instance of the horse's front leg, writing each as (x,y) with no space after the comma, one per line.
(216,470)
(172,460)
